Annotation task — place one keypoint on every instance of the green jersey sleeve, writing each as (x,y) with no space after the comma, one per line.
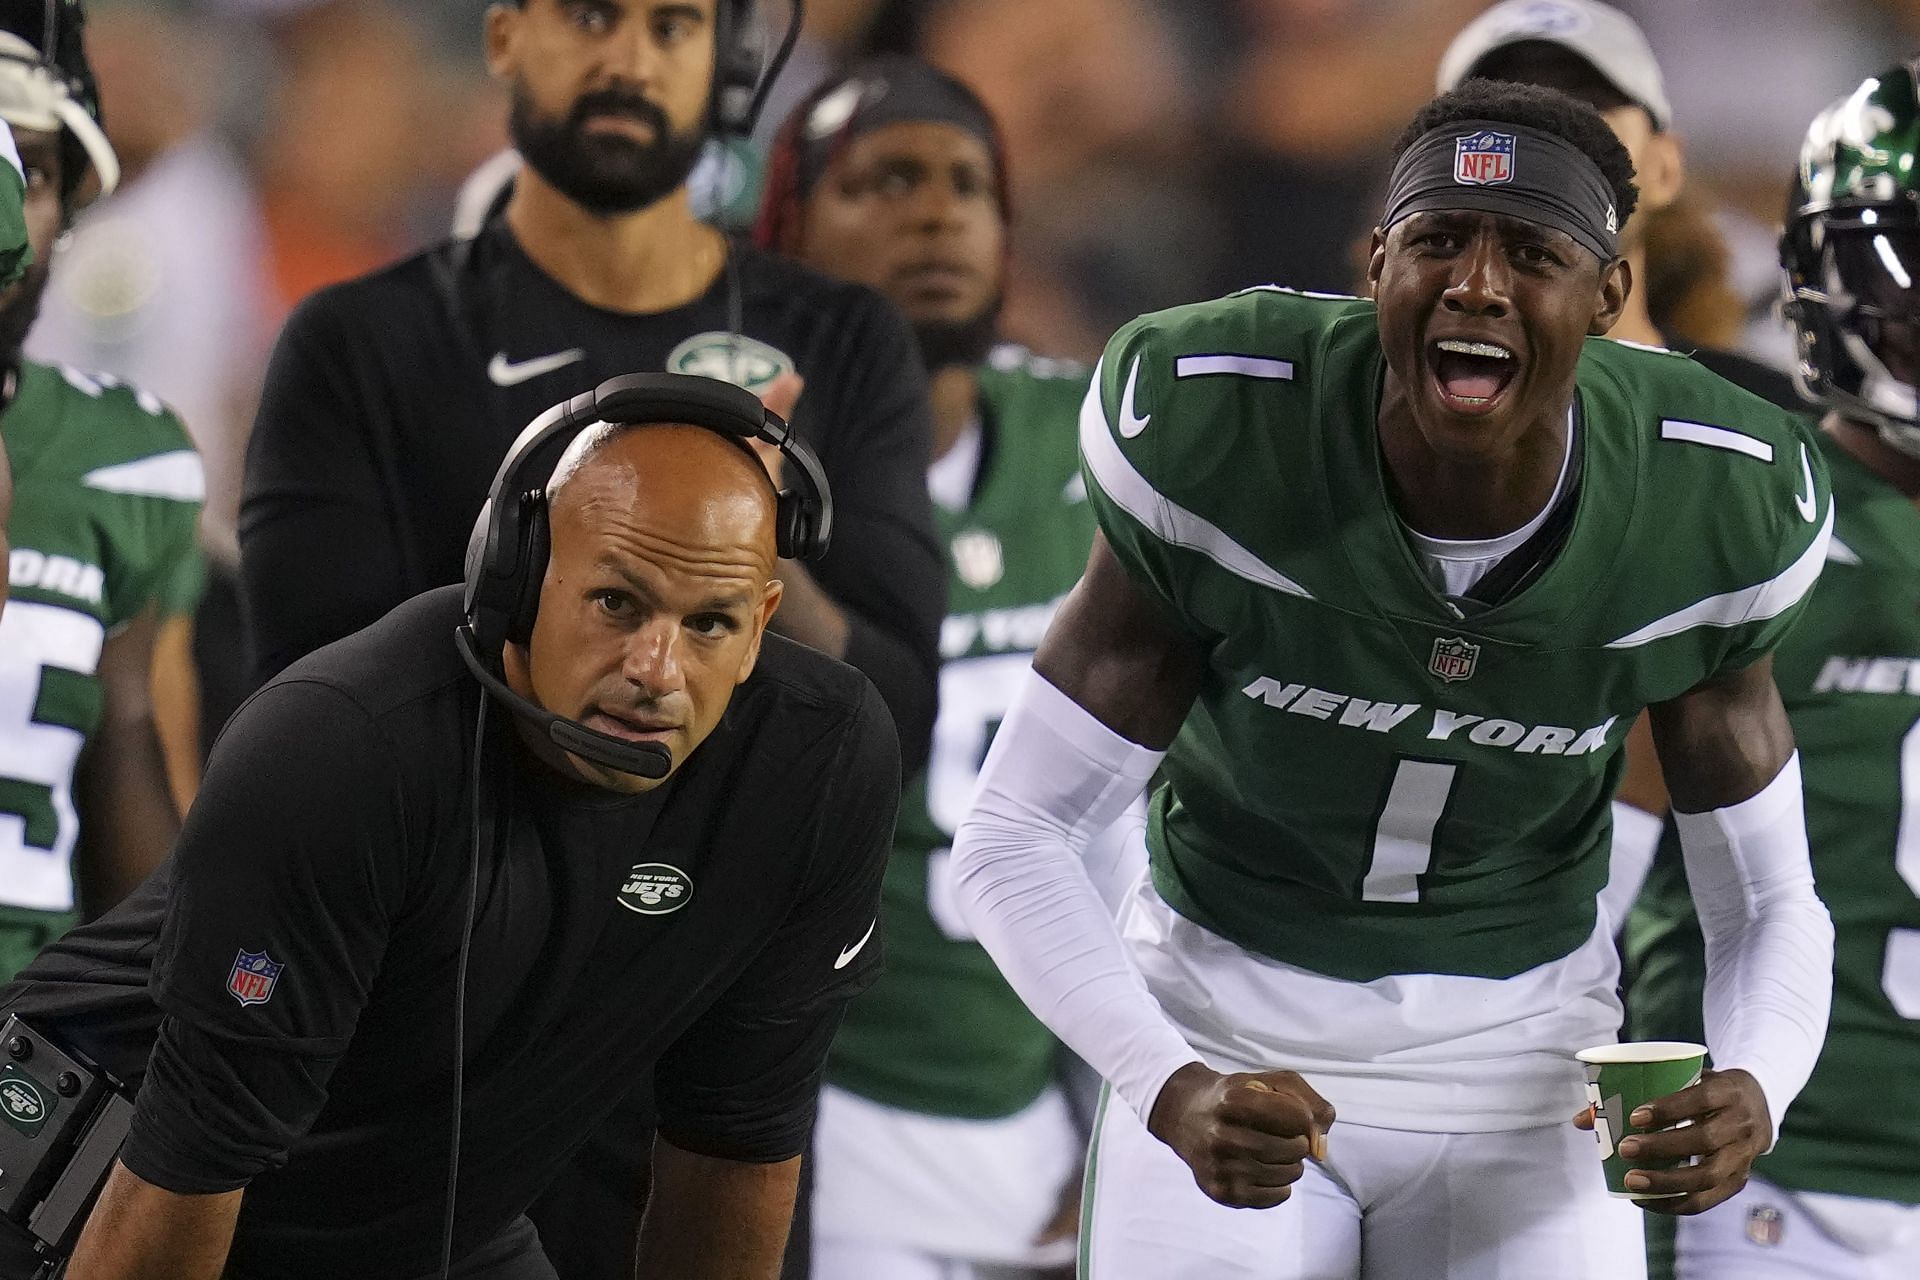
(1187,406)
(1735,492)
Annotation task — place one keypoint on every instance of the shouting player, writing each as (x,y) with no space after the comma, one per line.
(1839,1197)
(1379,588)
(944,1143)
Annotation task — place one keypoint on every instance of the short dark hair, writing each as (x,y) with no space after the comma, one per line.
(1536,107)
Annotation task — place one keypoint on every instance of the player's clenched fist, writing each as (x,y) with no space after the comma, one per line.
(1245,1136)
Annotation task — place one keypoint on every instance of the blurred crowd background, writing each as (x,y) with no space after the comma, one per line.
(1160,151)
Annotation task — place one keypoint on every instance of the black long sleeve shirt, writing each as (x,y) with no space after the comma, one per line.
(281,991)
(390,401)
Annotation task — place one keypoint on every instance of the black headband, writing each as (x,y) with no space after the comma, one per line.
(882,91)
(1495,167)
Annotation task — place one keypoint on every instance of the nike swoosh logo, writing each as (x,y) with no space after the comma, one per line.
(510,374)
(1806,505)
(1132,424)
(854,950)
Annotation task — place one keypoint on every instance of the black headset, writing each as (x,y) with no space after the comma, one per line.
(736,67)
(507,553)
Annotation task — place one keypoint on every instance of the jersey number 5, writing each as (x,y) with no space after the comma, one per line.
(46,655)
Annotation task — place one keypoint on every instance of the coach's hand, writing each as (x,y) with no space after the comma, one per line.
(1245,1136)
(1730,1128)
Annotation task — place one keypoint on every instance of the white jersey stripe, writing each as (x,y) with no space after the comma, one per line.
(177,475)
(1238,365)
(1715,438)
(1166,520)
(1749,604)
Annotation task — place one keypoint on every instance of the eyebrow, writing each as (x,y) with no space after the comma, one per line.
(720,602)
(1505,225)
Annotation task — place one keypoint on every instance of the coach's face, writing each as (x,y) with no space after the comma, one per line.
(657,592)
(1482,318)
(609,96)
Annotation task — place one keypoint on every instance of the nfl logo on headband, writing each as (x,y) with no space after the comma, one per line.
(1483,159)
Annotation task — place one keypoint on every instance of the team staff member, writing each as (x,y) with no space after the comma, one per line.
(1839,1197)
(945,1143)
(104,548)
(1379,587)
(390,399)
(286,987)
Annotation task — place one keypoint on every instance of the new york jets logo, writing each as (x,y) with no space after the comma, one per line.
(655,889)
(23,1104)
(743,361)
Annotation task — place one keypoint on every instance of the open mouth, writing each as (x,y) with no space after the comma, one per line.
(1472,375)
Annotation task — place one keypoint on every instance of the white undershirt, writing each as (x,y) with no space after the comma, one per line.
(951,478)
(1455,565)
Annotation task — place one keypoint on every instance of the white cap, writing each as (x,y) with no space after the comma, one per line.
(1602,36)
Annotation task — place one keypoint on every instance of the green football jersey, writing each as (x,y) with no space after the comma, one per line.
(1370,783)
(1850,677)
(107,493)
(941,1032)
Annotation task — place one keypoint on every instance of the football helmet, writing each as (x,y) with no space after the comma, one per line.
(1851,253)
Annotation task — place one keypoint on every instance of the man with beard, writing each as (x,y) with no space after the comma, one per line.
(945,1143)
(390,399)
(107,491)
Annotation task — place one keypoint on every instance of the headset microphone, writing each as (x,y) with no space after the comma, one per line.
(642,759)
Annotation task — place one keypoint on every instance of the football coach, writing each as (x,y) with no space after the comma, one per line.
(455,882)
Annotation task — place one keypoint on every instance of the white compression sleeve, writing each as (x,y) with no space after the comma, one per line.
(1769,938)
(1636,838)
(1053,779)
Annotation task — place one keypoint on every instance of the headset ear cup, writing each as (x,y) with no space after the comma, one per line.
(790,526)
(535,546)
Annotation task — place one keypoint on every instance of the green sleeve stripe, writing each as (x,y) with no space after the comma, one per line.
(177,475)
(1757,603)
(1166,520)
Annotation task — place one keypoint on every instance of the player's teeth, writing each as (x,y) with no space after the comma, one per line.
(1487,349)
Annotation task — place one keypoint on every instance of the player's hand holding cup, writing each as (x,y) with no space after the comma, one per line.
(1673,1138)
(1246,1136)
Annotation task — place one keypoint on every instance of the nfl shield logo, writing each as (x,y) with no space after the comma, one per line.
(1765,1225)
(1453,659)
(253,976)
(1483,159)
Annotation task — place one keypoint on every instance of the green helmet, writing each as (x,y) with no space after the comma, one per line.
(1851,252)
(46,84)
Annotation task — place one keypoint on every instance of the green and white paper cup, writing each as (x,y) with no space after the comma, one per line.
(1620,1079)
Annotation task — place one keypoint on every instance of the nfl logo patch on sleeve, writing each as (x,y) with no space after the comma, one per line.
(1483,159)
(253,976)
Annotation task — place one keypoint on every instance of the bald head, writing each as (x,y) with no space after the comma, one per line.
(658,587)
(680,483)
